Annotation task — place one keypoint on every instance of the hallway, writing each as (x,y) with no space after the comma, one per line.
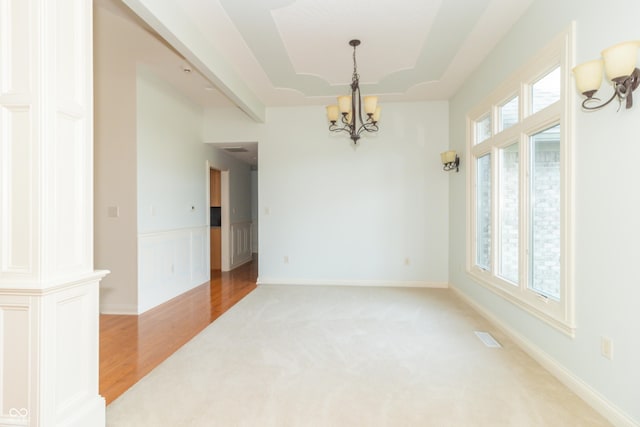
(132,346)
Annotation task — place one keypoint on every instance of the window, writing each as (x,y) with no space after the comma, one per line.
(520,235)
(483,128)
(483,212)
(544,225)
(508,113)
(509,209)
(546,90)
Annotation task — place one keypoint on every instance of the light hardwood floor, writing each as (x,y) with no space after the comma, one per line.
(131,346)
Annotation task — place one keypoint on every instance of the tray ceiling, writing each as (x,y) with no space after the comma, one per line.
(296,52)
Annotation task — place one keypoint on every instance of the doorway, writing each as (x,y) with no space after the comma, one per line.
(215,198)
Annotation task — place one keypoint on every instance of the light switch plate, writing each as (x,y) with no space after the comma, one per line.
(113,211)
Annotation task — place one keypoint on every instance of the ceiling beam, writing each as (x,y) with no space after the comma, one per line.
(168,19)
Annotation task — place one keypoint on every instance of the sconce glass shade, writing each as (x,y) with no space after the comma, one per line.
(620,59)
(332,113)
(450,161)
(588,75)
(344,102)
(448,157)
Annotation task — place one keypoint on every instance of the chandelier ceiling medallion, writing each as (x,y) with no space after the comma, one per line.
(349,109)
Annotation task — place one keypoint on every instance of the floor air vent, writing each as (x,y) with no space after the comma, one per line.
(487,339)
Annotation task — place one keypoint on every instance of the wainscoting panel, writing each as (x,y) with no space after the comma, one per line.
(16,194)
(171,263)
(240,243)
(14,346)
(67,191)
(61,322)
(17,143)
(16,43)
(72,335)
(71,204)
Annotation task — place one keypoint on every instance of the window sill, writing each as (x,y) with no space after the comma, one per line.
(561,324)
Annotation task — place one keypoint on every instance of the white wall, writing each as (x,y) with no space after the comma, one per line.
(115,238)
(173,237)
(171,158)
(606,205)
(151,163)
(173,192)
(352,215)
(172,162)
(230,125)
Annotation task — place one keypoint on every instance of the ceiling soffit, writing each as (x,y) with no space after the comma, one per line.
(303,45)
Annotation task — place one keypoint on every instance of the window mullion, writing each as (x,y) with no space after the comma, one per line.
(524,211)
(495,218)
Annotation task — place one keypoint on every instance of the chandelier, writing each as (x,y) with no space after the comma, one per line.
(349,109)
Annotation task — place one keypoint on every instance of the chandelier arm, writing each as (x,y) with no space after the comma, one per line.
(336,128)
(369,127)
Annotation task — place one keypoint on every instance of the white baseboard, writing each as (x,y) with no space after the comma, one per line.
(120,309)
(14,422)
(91,414)
(598,402)
(241,262)
(373,283)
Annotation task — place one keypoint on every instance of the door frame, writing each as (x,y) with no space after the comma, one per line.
(226,220)
(224,215)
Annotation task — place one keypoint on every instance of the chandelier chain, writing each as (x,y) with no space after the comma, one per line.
(355,77)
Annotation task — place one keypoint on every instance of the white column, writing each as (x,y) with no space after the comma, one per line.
(48,288)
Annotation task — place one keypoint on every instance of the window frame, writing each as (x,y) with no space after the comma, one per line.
(558,313)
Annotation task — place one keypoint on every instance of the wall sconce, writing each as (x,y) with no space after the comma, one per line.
(450,161)
(619,63)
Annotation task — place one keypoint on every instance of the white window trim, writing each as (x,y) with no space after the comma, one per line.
(559,314)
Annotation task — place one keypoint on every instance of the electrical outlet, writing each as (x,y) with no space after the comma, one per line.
(407,261)
(606,347)
(286,259)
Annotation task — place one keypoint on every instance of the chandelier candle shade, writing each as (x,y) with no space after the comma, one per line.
(619,64)
(349,109)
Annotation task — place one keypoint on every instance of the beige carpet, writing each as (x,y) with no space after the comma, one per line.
(339,356)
